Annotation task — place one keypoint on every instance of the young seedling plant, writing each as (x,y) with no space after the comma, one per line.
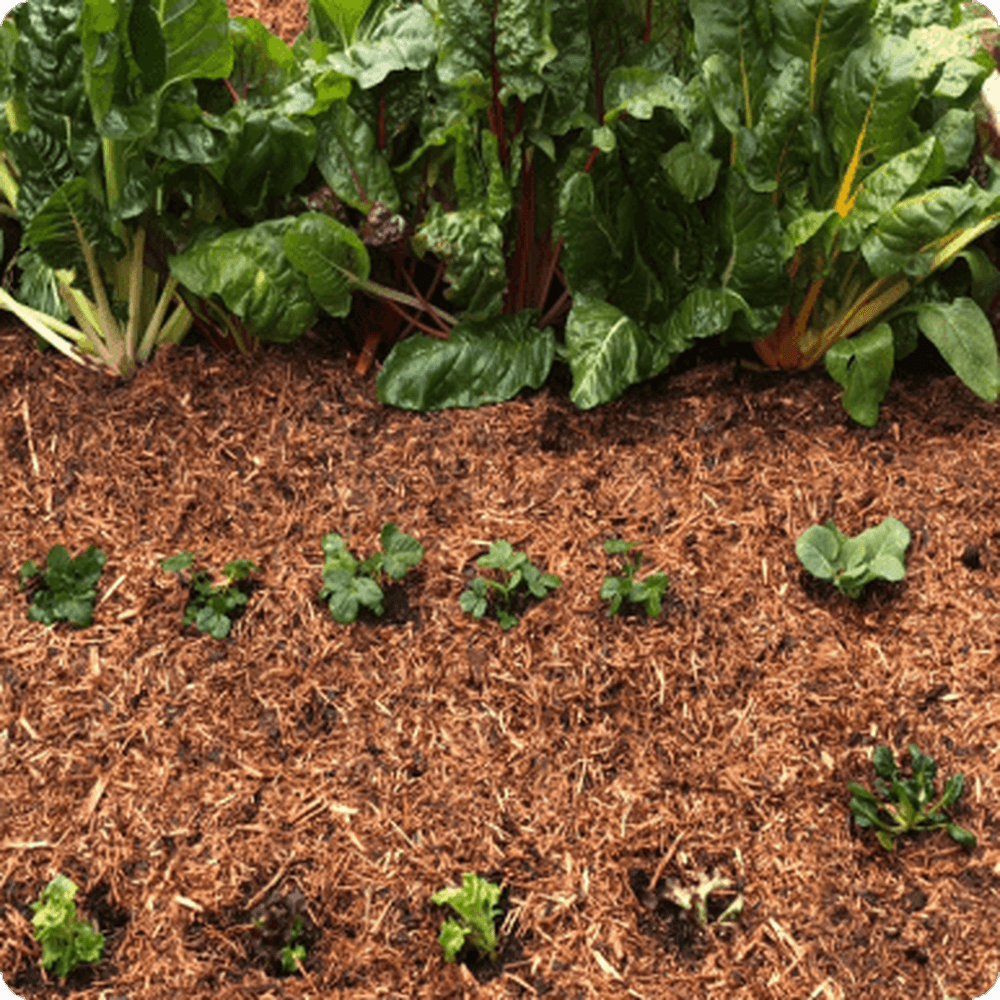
(67,591)
(212,609)
(476,905)
(849,563)
(906,806)
(625,587)
(349,584)
(292,955)
(514,569)
(66,941)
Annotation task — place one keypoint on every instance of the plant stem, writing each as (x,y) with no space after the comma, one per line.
(47,327)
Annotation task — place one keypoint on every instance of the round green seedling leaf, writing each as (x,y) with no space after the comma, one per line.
(818,549)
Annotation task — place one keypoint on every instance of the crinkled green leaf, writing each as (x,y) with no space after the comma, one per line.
(331,255)
(401,551)
(249,270)
(692,171)
(481,362)
(590,249)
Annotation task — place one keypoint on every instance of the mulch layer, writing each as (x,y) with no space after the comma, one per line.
(345,774)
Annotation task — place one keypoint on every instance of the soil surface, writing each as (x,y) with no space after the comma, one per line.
(341,775)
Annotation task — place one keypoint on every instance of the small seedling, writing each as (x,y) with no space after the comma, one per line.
(211,609)
(625,587)
(849,563)
(696,899)
(67,591)
(292,953)
(66,941)
(291,956)
(514,569)
(349,584)
(907,804)
(476,905)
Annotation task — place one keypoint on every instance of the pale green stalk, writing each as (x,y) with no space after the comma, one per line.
(8,185)
(82,310)
(47,327)
(384,292)
(135,293)
(175,329)
(164,333)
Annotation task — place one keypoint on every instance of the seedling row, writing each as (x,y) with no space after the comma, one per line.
(66,590)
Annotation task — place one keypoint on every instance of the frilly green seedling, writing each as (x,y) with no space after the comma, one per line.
(66,941)
(476,905)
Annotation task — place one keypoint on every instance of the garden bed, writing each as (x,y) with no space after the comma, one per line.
(347,773)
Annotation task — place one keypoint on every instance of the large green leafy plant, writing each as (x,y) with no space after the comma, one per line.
(850,126)
(101,120)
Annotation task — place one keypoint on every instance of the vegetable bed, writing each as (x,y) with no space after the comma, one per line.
(210,796)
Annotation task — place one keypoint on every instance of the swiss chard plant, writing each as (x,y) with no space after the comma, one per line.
(897,806)
(66,941)
(475,903)
(349,584)
(850,126)
(850,563)
(65,591)
(211,609)
(514,570)
(625,587)
(102,126)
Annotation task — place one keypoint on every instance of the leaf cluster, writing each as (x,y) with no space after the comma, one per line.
(211,609)
(291,953)
(349,584)
(696,900)
(66,941)
(906,806)
(476,905)
(67,592)
(625,587)
(514,569)
(850,563)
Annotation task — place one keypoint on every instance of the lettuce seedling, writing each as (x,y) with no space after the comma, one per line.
(909,805)
(66,941)
(211,609)
(67,592)
(476,905)
(349,584)
(625,587)
(849,563)
(514,569)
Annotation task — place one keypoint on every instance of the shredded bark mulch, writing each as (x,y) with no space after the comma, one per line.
(345,774)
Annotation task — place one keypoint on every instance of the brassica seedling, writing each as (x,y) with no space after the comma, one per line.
(349,584)
(696,899)
(211,609)
(625,587)
(66,941)
(849,563)
(476,905)
(67,593)
(907,804)
(514,569)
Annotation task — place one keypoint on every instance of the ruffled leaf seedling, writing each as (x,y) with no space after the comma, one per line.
(212,609)
(625,587)
(67,592)
(349,584)
(849,563)
(477,909)
(66,941)
(906,806)
(514,569)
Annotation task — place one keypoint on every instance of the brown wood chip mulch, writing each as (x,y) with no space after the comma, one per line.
(347,773)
